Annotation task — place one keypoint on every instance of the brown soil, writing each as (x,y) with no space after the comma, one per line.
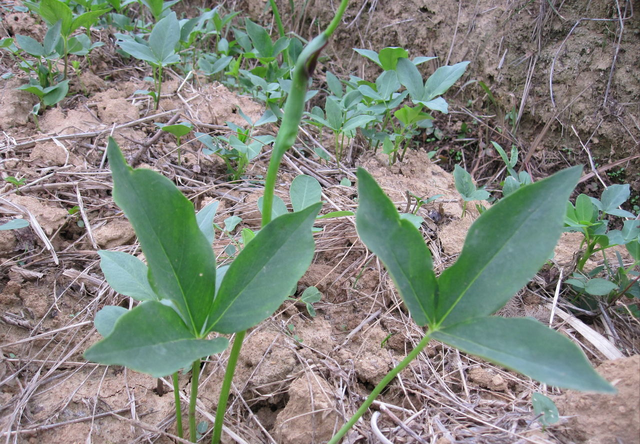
(299,377)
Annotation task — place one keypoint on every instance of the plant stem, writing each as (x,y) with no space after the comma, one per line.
(379,388)
(294,107)
(226,386)
(276,16)
(195,376)
(176,394)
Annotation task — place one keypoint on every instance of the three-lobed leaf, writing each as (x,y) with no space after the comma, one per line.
(504,248)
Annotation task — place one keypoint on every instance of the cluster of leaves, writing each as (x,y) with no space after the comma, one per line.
(379,108)
(40,59)
(591,217)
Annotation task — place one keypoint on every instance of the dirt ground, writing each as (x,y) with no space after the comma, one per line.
(565,89)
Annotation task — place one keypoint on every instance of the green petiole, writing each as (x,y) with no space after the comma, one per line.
(379,388)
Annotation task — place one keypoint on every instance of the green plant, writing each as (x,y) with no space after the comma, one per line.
(588,216)
(504,248)
(15,181)
(545,410)
(239,149)
(158,51)
(56,11)
(515,180)
(184,296)
(179,130)
(466,188)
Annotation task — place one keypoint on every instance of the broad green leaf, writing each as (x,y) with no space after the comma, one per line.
(127,275)
(33,89)
(634,249)
(152,339)
(586,211)
(178,130)
(336,214)
(351,99)
(369,92)
(14,224)
(267,117)
(164,38)
(260,278)
(180,259)
(510,185)
(410,78)
(139,51)
(400,246)
(334,113)
(278,209)
(87,19)
(155,6)
(437,104)
(30,45)
(106,318)
(52,39)
(415,220)
(599,287)
(280,45)
(356,122)
(52,11)
(387,83)
(443,79)
(389,57)
(231,222)
(54,94)
(420,60)
(614,196)
(371,55)
(334,84)
(464,183)
(260,38)
(545,408)
(205,220)
(504,248)
(528,347)
(304,192)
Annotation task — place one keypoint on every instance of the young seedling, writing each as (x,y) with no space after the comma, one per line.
(179,130)
(56,11)
(466,188)
(515,180)
(504,248)
(159,51)
(182,303)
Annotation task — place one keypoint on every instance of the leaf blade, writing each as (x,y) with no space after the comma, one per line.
(400,246)
(127,275)
(528,347)
(504,248)
(260,278)
(181,261)
(158,348)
